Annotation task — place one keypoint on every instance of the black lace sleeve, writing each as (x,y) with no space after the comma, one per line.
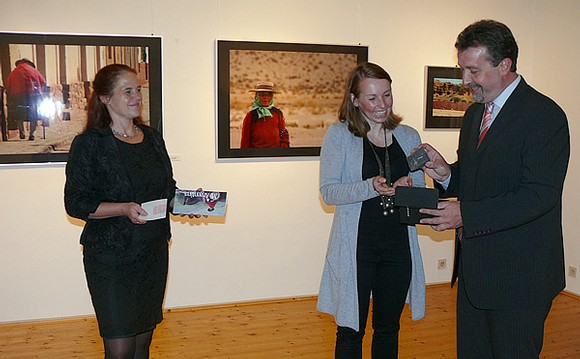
(79,195)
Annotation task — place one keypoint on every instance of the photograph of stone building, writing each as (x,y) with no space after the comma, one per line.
(60,109)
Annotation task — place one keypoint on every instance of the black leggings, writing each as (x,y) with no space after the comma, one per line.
(386,273)
(135,347)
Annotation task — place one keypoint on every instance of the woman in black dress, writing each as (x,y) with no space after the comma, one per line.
(113,166)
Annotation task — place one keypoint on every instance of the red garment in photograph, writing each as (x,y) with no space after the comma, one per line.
(265,132)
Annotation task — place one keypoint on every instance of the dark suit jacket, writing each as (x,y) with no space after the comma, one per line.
(510,190)
(96,173)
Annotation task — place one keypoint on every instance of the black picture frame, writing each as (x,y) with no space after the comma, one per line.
(446,98)
(69,62)
(319,79)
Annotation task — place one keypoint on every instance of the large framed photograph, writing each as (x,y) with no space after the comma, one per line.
(447,98)
(39,124)
(306,83)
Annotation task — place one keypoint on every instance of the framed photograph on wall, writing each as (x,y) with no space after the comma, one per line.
(307,82)
(447,98)
(41,128)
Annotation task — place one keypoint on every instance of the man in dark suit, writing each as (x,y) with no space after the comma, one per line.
(508,180)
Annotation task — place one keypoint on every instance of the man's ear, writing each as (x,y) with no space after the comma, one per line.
(505,65)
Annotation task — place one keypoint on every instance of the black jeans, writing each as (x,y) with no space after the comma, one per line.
(384,271)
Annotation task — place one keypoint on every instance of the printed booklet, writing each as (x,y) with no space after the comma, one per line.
(155,210)
(206,203)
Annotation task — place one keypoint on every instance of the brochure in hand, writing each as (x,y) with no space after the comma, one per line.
(206,203)
(155,209)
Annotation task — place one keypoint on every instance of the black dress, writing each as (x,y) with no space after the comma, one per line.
(127,286)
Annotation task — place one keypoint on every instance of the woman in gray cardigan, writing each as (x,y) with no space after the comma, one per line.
(369,251)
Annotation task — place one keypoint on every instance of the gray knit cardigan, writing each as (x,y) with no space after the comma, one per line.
(341,185)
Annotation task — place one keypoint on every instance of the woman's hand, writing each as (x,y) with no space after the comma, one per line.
(404,181)
(133,211)
(381,186)
(130,210)
(191,215)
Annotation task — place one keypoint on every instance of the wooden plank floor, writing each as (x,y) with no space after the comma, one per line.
(275,329)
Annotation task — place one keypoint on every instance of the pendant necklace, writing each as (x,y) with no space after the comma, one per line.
(387,202)
(124,135)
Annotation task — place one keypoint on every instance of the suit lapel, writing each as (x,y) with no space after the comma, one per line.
(504,119)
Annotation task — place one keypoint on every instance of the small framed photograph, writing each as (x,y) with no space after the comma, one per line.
(39,126)
(447,98)
(303,85)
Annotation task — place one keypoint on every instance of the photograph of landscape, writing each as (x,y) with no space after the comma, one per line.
(446,99)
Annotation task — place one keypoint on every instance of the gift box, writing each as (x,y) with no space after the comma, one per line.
(411,199)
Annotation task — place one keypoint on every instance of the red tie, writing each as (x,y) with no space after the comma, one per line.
(486,123)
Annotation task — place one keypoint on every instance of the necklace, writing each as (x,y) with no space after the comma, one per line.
(387,202)
(124,135)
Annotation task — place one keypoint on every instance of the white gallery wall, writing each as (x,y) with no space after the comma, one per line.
(273,241)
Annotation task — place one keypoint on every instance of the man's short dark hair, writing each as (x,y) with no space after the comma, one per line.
(493,35)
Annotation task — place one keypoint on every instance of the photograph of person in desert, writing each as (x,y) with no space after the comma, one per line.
(309,85)
(264,125)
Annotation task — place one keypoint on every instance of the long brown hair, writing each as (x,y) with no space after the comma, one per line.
(103,85)
(352,115)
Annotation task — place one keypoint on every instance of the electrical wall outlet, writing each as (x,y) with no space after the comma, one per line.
(441,263)
(572,271)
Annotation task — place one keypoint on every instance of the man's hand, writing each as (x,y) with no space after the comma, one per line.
(437,168)
(446,216)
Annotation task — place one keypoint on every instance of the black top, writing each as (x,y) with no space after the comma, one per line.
(148,180)
(97,173)
(374,227)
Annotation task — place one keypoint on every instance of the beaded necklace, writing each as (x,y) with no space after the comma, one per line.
(124,135)
(387,202)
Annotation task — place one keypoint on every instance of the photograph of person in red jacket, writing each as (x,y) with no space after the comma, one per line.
(264,126)
(24,87)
